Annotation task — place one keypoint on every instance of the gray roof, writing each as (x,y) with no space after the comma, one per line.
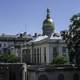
(54,36)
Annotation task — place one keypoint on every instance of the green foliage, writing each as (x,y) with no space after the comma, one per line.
(17,46)
(72,36)
(8,58)
(60,60)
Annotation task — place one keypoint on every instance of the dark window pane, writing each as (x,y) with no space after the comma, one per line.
(55,53)
(45,54)
(37,55)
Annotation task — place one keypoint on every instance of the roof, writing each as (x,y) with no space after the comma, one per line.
(39,38)
(18,37)
(54,36)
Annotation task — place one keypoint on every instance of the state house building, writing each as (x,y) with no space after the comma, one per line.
(38,49)
(44,48)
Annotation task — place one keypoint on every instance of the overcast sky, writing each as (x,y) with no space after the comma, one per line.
(27,15)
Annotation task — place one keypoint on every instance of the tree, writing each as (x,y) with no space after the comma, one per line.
(60,60)
(72,38)
(8,58)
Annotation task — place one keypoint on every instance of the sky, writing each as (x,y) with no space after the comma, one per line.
(18,16)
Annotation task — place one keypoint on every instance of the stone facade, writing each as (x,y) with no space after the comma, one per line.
(13,71)
(45,50)
(14,44)
(54,72)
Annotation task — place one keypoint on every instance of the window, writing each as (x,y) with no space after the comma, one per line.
(45,54)
(64,51)
(38,55)
(35,55)
(55,53)
(6,50)
(0,45)
(4,44)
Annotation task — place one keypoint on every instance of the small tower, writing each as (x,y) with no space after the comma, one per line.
(48,26)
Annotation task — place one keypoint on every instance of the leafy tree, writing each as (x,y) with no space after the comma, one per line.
(60,60)
(72,38)
(8,58)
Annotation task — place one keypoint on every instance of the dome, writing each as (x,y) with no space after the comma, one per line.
(48,25)
(50,20)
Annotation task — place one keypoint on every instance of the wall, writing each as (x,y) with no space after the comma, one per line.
(54,72)
(14,71)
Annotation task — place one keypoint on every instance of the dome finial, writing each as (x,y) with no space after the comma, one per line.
(48,13)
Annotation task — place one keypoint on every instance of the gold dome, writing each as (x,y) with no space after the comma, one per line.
(48,25)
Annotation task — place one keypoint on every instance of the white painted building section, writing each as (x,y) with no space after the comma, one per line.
(47,48)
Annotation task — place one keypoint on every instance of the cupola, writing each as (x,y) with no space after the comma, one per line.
(48,26)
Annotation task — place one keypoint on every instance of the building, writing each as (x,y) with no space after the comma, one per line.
(14,44)
(37,49)
(53,72)
(13,71)
(44,48)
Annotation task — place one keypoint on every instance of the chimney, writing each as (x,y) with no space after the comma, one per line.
(35,35)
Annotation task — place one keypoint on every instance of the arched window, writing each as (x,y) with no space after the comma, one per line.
(43,77)
(75,76)
(61,77)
